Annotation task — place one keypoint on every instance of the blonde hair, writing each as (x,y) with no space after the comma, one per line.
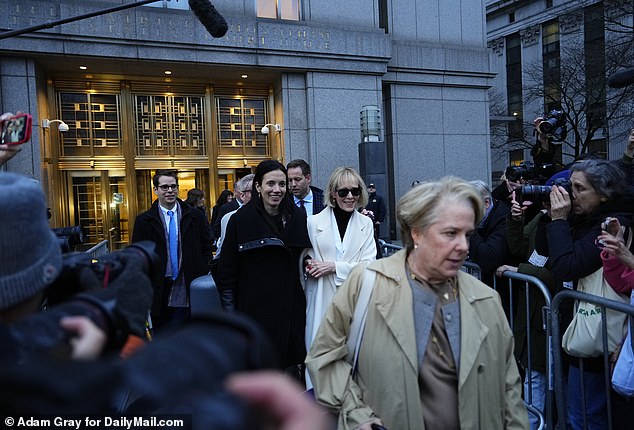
(345,174)
(418,208)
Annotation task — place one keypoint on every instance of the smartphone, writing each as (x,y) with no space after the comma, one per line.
(611,225)
(16,129)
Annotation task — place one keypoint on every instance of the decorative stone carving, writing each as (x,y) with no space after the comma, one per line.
(530,35)
(570,22)
(497,45)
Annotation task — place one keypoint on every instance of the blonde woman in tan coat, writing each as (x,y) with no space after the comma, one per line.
(436,351)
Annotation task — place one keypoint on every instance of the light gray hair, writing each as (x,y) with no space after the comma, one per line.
(418,208)
(243,183)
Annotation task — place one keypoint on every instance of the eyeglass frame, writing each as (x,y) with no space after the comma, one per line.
(166,187)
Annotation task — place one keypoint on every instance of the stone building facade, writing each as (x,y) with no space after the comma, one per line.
(308,65)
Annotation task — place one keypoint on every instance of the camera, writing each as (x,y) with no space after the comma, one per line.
(529,171)
(113,291)
(540,193)
(82,272)
(554,124)
(69,237)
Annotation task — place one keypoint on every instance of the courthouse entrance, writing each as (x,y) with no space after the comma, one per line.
(99,171)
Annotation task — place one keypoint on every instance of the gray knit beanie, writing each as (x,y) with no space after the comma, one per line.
(30,255)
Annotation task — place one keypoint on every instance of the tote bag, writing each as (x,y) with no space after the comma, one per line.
(583,337)
(623,375)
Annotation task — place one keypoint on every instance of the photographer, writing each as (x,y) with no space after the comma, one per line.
(216,386)
(82,316)
(526,238)
(596,191)
(544,151)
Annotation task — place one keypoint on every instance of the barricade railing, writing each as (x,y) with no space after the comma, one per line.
(560,379)
(99,249)
(472,269)
(388,249)
(516,280)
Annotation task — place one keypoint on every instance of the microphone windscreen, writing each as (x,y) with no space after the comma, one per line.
(621,79)
(208,16)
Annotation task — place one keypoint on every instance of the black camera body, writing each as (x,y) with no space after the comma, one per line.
(554,125)
(529,171)
(73,278)
(113,291)
(540,193)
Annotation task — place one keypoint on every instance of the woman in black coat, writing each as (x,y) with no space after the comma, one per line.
(258,271)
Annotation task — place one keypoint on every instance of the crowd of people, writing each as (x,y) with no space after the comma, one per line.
(403,342)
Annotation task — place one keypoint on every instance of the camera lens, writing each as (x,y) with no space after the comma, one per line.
(548,127)
(533,193)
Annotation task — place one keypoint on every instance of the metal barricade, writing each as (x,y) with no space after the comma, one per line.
(472,269)
(560,380)
(469,267)
(528,283)
(388,249)
(99,249)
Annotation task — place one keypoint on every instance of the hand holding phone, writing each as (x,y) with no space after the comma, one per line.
(612,226)
(15,129)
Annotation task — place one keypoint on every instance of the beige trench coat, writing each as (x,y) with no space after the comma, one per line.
(386,385)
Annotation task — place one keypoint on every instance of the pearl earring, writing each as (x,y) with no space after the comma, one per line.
(415,246)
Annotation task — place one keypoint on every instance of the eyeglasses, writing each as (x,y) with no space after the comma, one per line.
(343,192)
(166,187)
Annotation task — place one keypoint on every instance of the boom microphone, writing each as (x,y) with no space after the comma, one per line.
(209,17)
(621,79)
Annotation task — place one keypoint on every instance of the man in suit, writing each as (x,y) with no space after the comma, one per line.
(305,196)
(182,243)
(242,194)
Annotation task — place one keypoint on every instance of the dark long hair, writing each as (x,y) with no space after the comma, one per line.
(222,199)
(286,205)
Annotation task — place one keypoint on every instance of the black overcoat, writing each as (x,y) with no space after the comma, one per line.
(261,266)
(195,243)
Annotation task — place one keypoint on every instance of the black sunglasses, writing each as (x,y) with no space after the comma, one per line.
(343,192)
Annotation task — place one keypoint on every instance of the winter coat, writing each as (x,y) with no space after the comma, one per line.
(572,251)
(261,267)
(358,245)
(488,247)
(195,243)
(386,383)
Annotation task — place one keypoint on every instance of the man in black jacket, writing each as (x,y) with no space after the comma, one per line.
(182,243)
(488,247)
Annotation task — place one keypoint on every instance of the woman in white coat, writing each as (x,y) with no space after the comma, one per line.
(341,237)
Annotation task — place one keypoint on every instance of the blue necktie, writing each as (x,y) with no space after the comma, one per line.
(173,238)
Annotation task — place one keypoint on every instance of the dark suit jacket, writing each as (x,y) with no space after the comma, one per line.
(224,210)
(195,242)
(318,199)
